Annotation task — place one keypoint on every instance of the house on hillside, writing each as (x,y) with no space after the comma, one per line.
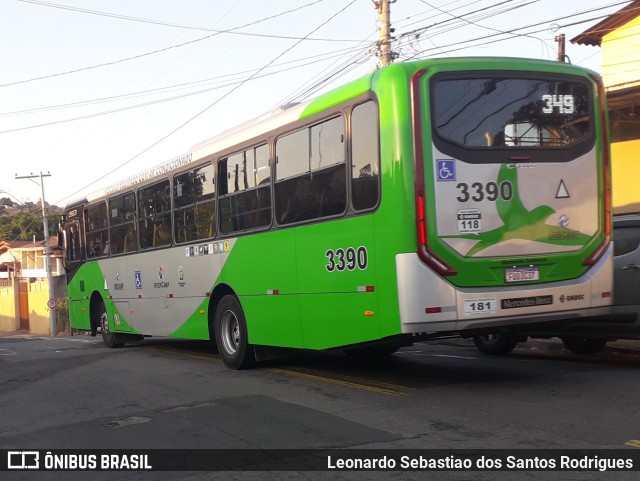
(26,259)
(619,38)
(9,261)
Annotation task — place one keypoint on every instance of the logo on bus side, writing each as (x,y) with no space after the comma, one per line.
(446,170)
(162,284)
(181,281)
(118,286)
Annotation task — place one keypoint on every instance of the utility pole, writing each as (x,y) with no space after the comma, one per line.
(53,317)
(560,39)
(384,44)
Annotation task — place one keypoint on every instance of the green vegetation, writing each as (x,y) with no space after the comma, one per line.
(22,222)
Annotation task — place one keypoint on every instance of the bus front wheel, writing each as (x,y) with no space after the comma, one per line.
(109,338)
(230,330)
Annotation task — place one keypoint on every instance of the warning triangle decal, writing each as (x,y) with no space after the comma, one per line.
(562,192)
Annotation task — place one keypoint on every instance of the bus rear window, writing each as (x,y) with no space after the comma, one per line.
(513,113)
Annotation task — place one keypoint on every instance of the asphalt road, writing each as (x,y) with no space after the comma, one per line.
(74,393)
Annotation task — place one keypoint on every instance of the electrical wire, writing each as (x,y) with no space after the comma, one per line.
(190,42)
(167,24)
(460,45)
(143,104)
(228,93)
(309,60)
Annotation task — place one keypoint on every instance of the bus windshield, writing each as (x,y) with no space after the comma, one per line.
(511,112)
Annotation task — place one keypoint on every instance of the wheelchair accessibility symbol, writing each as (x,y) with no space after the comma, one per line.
(446,170)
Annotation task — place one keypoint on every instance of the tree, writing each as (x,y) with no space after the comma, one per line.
(26,225)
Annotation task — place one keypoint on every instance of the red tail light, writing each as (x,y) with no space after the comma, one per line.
(424,253)
(606,178)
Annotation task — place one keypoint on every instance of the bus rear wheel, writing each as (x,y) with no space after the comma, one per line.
(231,335)
(109,338)
(496,344)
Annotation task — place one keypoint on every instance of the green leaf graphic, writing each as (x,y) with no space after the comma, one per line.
(520,223)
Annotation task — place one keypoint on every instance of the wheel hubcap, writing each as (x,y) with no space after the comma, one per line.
(230,335)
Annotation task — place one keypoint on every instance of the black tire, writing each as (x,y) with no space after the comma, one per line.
(584,345)
(109,338)
(231,335)
(497,344)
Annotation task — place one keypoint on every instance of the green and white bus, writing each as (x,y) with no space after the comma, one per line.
(427,199)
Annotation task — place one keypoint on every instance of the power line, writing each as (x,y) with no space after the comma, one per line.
(476,24)
(173,25)
(510,31)
(143,104)
(459,44)
(200,39)
(251,77)
(309,60)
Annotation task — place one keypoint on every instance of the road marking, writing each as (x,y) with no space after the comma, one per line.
(348,381)
(7,352)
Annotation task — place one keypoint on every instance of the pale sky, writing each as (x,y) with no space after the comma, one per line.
(87,86)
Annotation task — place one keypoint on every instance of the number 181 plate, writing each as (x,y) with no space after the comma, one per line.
(521,274)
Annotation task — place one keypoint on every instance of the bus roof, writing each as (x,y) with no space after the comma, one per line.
(243,132)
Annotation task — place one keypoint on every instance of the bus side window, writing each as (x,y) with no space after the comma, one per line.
(310,176)
(97,231)
(365,157)
(154,206)
(204,197)
(245,191)
(184,215)
(122,231)
(73,242)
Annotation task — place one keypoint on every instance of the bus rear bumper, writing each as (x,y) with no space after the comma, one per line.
(429,303)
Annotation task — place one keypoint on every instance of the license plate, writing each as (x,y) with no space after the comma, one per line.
(521,274)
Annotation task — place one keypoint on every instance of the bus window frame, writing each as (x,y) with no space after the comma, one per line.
(195,203)
(327,116)
(105,249)
(141,218)
(351,166)
(506,154)
(134,222)
(68,243)
(252,146)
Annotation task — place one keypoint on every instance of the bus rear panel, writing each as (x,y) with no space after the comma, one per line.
(512,209)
